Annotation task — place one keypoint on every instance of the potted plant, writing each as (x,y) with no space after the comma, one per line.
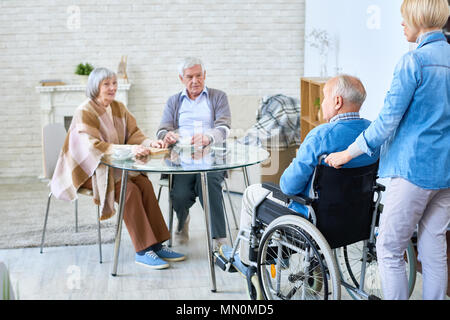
(318,115)
(83,71)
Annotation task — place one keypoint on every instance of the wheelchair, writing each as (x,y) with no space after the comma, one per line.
(297,258)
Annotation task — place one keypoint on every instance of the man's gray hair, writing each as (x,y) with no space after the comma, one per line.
(350,88)
(189,62)
(95,78)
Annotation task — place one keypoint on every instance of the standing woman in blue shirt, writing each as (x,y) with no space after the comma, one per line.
(413,129)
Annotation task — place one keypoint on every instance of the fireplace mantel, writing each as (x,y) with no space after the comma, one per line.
(58,103)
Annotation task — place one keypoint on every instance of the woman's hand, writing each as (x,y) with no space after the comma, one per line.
(338,159)
(158,144)
(140,151)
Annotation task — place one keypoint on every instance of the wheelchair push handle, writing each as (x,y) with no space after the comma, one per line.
(322,158)
(380,187)
(377,187)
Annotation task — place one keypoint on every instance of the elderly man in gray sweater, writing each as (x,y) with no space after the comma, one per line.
(200,116)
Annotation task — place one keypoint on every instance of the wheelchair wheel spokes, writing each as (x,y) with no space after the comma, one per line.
(290,266)
(350,262)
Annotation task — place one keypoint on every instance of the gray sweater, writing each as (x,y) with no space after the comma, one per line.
(220,113)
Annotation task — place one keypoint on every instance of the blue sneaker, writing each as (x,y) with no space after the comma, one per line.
(170,255)
(150,259)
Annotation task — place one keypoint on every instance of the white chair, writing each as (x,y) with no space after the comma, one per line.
(53,136)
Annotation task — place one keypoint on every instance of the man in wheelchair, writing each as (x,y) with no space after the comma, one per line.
(343,98)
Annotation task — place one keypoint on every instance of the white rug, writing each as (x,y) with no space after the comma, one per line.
(22,212)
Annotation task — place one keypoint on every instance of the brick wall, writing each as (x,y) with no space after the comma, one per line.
(250,48)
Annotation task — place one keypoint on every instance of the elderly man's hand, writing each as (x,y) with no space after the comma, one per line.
(200,153)
(200,140)
(170,138)
(338,159)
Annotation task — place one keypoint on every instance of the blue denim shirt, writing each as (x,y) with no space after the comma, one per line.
(324,139)
(413,127)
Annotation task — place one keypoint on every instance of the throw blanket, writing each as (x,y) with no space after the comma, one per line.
(277,123)
(91,135)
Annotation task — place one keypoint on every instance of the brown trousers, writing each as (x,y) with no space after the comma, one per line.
(141,213)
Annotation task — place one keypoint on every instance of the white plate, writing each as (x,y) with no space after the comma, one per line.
(122,156)
(184,145)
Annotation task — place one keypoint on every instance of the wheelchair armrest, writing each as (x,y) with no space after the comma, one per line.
(278,194)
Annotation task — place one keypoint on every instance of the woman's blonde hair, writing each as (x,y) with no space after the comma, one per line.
(425,13)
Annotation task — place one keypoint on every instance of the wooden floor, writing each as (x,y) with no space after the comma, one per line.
(73,272)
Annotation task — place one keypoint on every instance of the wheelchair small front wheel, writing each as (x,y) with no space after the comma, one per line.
(296,262)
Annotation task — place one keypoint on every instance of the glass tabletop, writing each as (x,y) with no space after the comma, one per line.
(186,158)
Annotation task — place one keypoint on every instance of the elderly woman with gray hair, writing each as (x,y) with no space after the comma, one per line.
(100,126)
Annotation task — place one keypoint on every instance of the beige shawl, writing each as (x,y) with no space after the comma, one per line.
(92,135)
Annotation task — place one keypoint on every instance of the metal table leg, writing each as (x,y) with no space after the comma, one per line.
(170,210)
(206,210)
(246,180)
(123,191)
(231,205)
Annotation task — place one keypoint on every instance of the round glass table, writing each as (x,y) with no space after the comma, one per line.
(184,159)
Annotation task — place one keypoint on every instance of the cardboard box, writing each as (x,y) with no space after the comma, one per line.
(272,169)
(269,171)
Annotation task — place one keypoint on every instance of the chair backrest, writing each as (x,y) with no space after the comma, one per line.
(53,136)
(345,203)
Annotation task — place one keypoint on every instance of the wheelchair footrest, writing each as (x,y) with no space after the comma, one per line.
(236,264)
(222,263)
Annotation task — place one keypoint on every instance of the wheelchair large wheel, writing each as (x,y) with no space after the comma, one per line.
(296,262)
(350,259)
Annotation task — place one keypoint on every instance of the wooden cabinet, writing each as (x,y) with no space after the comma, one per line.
(311,97)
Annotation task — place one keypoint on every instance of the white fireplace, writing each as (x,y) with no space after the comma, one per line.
(58,103)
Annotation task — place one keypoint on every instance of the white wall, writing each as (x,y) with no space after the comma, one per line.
(250,48)
(369,40)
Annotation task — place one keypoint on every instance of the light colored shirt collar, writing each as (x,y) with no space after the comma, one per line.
(185,94)
(425,35)
(346,116)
